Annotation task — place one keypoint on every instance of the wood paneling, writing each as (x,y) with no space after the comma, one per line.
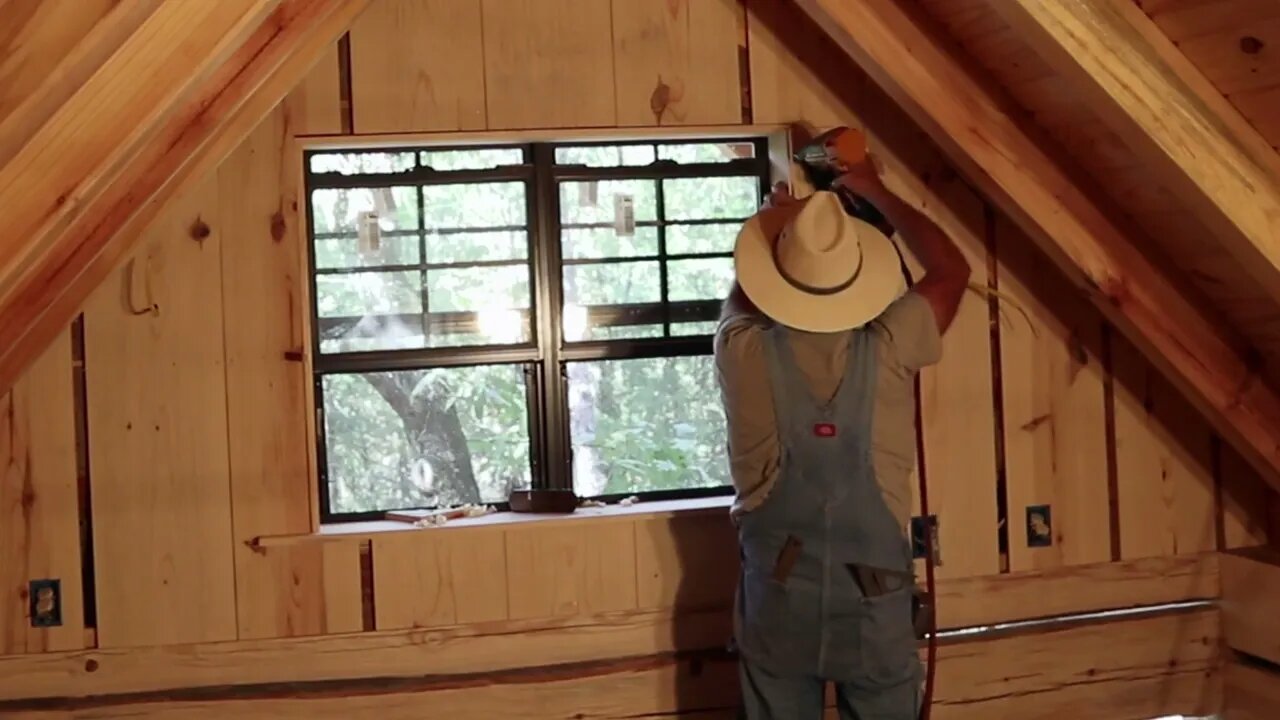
(39,507)
(419,65)
(571,570)
(676,62)
(1145,667)
(783,88)
(306,589)
(1164,471)
(157,419)
(1243,499)
(1250,692)
(548,63)
(434,578)
(686,562)
(314,106)
(1250,586)
(266,392)
(1055,441)
(36,35)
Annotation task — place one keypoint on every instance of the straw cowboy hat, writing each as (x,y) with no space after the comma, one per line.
(813,267)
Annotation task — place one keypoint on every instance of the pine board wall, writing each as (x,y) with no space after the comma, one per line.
(197,411)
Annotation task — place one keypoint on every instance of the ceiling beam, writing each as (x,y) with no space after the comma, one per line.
(967,116)
(178,96)
(1150,94)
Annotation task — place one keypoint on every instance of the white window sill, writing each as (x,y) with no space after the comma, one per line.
(359,531)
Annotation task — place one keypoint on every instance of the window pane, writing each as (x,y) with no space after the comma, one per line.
(605,155)
(474,205)
(579,203)
(337,210)
(645,425)
(489,298)
(701,279)
(422,438)
(690,239)
(694,328)
(706,152)
(711,197)
(477,246)
(480,159)
(369,311)
(593,292)
(578,243)
(361,163)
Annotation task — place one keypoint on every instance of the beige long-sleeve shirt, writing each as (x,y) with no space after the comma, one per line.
(907,340)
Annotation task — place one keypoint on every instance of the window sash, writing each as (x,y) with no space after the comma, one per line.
(546,353)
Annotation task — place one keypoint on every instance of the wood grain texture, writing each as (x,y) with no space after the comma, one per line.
(157,421)
(39,506)
(1250,692)
(557,572)
(1144,667)
(165,110)
(1250,586)
(783,88)
(548,63)
(1055,441)
(302,590)
(968,117)
(676,62)
(432,579)
(1164,471)
(1190,136)
(266,392)
(418,65)
(1243,501)
(686,562)
(314,106)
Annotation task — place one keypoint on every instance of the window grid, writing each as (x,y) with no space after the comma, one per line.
(545,356)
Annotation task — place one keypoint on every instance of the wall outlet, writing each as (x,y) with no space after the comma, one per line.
(918,548)
(46,603)
(1039,526)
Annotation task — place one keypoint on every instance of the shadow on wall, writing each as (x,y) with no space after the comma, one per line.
(702,551)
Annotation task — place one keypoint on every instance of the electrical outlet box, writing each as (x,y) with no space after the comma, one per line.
(1039,526)
(46,603)
(918,547)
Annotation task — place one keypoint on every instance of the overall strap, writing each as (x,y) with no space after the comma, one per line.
(857,390)
(785,378)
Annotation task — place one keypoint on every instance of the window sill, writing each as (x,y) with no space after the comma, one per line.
(363,531)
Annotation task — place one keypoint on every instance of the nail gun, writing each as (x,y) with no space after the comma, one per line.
(830,155)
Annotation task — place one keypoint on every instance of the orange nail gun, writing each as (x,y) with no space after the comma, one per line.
(830,155)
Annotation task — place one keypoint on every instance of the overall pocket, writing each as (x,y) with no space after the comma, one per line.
(888,639)
(766,631)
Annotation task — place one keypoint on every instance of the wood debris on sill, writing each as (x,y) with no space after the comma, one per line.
(438,518)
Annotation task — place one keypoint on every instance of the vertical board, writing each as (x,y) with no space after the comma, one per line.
(570,569)
(39,507)
(316,590)
(676,62)
(687,562)
(783,89)
(1164,473)
(35,36)
(1244,498)
(314,106)
(263,288)
(157,425)
(343,590)
(548,64)
(1054,395)
(418,65)
(439,577)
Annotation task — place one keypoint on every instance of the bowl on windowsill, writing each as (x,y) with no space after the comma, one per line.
(543,501)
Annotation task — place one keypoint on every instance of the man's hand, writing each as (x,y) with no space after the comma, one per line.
(780,196)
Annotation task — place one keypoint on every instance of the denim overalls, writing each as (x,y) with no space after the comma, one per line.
(801,610)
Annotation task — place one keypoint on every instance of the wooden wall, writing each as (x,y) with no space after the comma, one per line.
(196,411)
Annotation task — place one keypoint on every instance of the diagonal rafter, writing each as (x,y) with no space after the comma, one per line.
(967,117)
(177,97)
(1150,94)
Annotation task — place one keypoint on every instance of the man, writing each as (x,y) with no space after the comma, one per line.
(817,352)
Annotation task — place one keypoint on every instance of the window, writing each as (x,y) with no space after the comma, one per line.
(498,318)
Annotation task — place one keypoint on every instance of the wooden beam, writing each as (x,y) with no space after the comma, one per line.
(1198,145)
(970,120)
(180,93)
(1250,691)
(1250,586)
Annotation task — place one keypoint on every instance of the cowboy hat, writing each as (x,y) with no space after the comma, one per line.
(812,266)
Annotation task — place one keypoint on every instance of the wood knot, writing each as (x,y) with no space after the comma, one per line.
(277,226)
(659,99)
(1250,45)
(199,230)
(90,665)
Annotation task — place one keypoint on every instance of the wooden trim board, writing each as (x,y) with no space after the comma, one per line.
(1250,589)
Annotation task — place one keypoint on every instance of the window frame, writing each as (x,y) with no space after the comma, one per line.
(546,393)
